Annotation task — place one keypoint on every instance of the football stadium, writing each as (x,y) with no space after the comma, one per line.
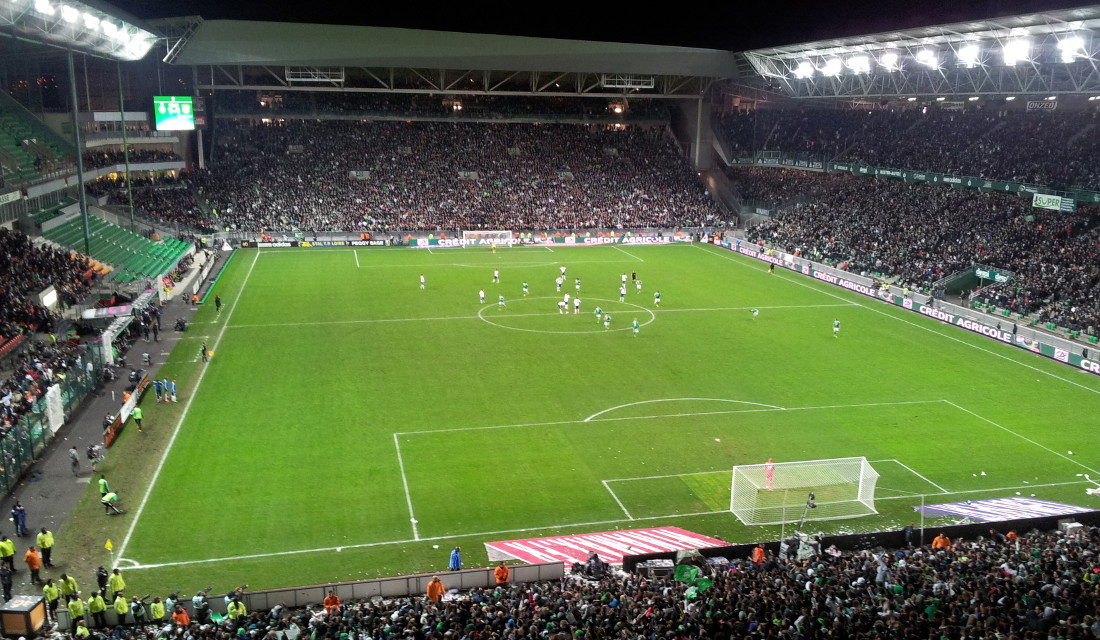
(386,333)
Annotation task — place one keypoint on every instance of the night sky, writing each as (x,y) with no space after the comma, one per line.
(729,25)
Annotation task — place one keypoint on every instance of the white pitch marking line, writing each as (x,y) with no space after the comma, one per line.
(670,475)
(627,253)
(431,539)
(510,315)
(631,404)
(667,415)
(405,481)
(183,416)
(1023,437)
(922,477)
(620,502)
(958,493)
(356,253)
(922,327)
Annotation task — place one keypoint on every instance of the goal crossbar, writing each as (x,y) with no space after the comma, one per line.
(774,493)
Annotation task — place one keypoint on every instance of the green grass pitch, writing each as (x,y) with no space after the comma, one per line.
(350,421)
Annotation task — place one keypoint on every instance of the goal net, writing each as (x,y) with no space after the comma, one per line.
(501,238)
(842,488)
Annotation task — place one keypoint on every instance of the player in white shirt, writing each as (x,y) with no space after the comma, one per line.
(422,281)
(481,295)
(622,293)
(561,306)
(576,306)
(558,282)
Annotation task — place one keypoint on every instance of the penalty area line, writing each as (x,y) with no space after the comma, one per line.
(617,501)
(405,482)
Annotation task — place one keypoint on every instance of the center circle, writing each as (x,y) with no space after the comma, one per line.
(487,312)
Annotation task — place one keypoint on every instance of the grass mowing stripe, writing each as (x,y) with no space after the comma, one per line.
(919,326)
(515,315)
(596,523)
(1023,437)
(179,423)
(669,415)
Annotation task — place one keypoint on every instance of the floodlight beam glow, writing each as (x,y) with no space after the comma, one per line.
(968,55)
(1071,47)
(859,64)
(1015,51)
(928,58)
(804,70)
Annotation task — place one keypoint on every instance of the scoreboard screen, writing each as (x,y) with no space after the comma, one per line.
(173,113)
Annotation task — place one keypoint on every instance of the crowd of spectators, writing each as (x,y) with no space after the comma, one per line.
(1000,586)
(919,233)
(25,270)
(436,106)
(404,176)
(98,158)
(1056,148)
(167,197)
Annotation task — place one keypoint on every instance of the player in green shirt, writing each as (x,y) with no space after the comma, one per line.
(657,298)
(607,321)
(836,327)
(524,289)
(634,326)
(755,312)
(599,315)
(500,303)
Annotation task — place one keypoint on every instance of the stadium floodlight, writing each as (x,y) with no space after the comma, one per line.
(1071,47)
(968,55)
(77,26)
(1052,97)
(859,64)
(889,61)
(1010,98)
(804,70)
(940,99)
(928,58)
(1015,50)
(833,67)
(910,99)
(973,98)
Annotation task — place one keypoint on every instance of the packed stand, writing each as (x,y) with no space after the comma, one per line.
(419,105)
(1055,148)
(1038,585)
(99,158)
(919,233)
(168,198)
(446,176)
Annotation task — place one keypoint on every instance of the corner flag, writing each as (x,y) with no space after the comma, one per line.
(108,546)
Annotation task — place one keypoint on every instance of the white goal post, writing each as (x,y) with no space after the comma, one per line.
(499,237)
(842,488)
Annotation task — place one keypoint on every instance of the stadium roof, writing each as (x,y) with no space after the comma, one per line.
(1035,24)
(1053,52)
(238,42)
